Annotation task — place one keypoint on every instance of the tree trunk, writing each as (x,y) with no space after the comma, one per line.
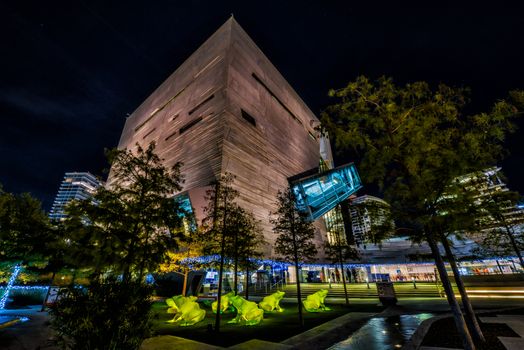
(514,245)
(143,262)
(299,295)
(48,291)
(184,286)
(462,329)
(74,277)
(222,250)
(235,277)
(342,271)
(247,281)
(469,313)
(500,267)
(220,273)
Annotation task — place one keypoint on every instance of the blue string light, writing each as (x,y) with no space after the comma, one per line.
(29,288)
(9,286)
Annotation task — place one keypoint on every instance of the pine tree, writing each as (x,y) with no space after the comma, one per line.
(295,237)
(131,224)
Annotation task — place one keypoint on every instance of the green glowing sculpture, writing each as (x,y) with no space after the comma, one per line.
(224,302)
(247,311)
(176,302)
(315,301)
(271,302)
(189,313)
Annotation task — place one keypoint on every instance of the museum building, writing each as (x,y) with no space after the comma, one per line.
(227,109)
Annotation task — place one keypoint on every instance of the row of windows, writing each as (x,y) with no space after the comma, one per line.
(245,115)
(276,98)
(158,109)
(282,104)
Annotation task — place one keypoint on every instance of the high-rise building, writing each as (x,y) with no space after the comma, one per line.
(485,185)
(367,212)
(76,185)
(228,109)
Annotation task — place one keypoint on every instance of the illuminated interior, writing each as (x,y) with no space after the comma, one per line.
(188,214)
(318,194)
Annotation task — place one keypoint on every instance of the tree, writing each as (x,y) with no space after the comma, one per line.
(123,232)
(295,234)
(500,222)
(131,224)
(23,224)
(245,241)
(412,142)
(221,212)
(24,233)
(458,211)
(337,249)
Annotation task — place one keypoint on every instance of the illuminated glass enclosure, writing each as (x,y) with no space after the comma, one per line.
(188,215)
(317,194)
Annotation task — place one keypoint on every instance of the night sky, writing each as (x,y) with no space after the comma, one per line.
(70,71)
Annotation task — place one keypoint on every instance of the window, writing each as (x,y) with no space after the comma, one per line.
(148,133)
(170,136)
(189,125)
(141,125)
(248,118)
(158,109)
(275,97)
(173,118)
(200,104)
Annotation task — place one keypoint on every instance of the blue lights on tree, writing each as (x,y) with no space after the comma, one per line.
(9,286)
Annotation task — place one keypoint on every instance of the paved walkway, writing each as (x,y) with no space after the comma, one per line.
(35,334)
(30,335)
(319,337)
(516,323)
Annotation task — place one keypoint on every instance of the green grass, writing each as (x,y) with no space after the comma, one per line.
(275,327)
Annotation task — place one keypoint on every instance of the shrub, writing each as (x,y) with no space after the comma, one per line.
(105,315)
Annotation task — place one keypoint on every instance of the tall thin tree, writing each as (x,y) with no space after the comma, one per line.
(295,237)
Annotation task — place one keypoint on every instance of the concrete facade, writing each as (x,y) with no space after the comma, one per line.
(228,109)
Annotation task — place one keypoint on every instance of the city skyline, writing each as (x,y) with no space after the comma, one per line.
(73,73)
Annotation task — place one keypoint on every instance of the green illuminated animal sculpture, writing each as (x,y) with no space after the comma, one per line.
(315,301)
(176,302)
(189,314)
(271,302)
(247,311)
(224,302)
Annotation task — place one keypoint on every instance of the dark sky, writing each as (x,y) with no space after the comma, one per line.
(70,71)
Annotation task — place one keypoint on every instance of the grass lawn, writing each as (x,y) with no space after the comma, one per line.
(275,327)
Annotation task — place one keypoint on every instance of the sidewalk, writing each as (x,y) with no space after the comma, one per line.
(30,335)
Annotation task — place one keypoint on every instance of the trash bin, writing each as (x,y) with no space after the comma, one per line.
(386,293)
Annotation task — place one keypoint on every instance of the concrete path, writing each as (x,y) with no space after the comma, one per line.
(169,342)
(31,335)
(516,323)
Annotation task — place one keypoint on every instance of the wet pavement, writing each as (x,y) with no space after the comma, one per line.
(33,333)
(383,333)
